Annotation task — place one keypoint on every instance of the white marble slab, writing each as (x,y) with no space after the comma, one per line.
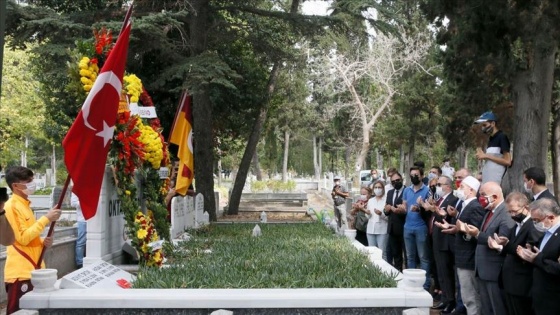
(97,275)
(226,298)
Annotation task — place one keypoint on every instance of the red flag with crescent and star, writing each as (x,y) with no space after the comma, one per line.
(181,135)
(88,141)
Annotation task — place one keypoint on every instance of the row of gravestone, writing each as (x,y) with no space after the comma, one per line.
(187,213)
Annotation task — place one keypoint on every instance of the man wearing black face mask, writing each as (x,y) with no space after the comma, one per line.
(395,227)
(517,275)
(415,227)
(497,156)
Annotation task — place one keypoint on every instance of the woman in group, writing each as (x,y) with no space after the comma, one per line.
(360,218)
(377,225)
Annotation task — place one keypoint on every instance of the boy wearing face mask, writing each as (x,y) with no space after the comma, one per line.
(23,256)
(497,156)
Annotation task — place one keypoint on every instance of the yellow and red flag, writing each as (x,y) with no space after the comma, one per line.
(181,135)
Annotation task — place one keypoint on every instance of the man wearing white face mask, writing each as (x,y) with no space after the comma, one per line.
(534,182)
(23,256)
(545,213)
(465,245)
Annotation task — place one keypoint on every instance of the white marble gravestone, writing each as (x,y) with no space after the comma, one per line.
(178,216)
(199,218)
(105,231)
(99,274)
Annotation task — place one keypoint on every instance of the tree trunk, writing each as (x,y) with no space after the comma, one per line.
(410,161)
(202,113)
(362,155)
(316,159)
(285,158)
(401,159)
(532,92)
(252,142)
(257,166)
(555,147)
(320,157)
(379,159)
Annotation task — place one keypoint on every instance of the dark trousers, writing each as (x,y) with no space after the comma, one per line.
(361,237)
(519,305)
(395,251)
(446,274)
(15,291)
(433,266)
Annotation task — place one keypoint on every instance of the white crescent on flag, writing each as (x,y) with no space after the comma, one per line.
(107,77)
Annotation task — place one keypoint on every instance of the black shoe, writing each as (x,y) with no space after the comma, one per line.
(440,306)
(448,308)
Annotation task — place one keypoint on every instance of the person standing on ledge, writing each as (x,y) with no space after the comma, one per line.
(7,237)
(23,256)
(497,157)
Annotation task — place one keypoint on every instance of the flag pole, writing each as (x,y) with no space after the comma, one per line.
(51,228)
(127,17)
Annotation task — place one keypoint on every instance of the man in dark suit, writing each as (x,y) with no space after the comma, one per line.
(545,214)
(443,243)
(517,274)
(465,245)
(488,262)
(395,246)
(534,181)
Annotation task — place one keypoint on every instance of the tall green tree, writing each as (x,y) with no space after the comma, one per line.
(498,52)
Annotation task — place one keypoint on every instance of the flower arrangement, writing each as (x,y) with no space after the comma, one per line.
(133,87)
(147,240)
(153,146)
(137,150)
(88,72)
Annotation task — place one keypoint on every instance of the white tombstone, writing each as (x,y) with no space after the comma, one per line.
(178,216)
(189,203)
(199,218)
(105,231)
(99,274)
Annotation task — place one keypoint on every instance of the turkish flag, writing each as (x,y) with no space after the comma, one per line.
(88,141)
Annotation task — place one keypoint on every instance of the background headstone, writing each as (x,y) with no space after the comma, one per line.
(199,219)
(178,216)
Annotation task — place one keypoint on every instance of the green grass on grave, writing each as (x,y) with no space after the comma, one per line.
(285,256)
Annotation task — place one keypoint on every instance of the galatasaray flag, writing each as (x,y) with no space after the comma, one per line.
(181,135)
(88,141)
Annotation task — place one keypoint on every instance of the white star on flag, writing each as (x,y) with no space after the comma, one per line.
(106,133)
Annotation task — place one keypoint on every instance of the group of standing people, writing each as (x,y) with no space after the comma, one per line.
(483,252)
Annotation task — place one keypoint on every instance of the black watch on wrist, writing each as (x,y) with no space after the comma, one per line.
(2,212)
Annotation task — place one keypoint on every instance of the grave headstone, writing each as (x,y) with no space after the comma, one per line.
(199,211)
(189,202)
(105,230)
(178,216)
(55,195)
(99,274)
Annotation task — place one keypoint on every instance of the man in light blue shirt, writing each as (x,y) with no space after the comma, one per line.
(415,228)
